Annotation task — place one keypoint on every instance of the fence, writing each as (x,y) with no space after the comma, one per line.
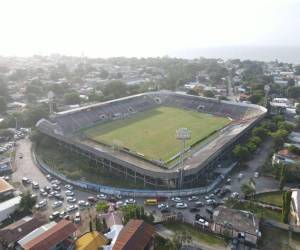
(130,192)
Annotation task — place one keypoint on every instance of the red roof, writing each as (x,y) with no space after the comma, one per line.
(52,237)
(134,236)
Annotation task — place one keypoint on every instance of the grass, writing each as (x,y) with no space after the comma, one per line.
(77,167)
(196,234)
(152,133)
(277,239)
(274,198)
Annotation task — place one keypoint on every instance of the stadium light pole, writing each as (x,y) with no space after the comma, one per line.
(182,134)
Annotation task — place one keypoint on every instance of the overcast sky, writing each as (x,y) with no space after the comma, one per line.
(143,28)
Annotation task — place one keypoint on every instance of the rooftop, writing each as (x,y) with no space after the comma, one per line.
(61,231)
(91,241)
(5,186)
(134,236)
(242,221)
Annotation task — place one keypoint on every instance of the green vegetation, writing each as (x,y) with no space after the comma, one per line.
(272,198)
(152,133)
(248,187)
(196,234)
(286,206)
(75,166)
(254,208)
(277,239)
(102,207)
(27,202)
(132,211)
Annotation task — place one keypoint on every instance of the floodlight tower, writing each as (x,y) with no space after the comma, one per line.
(182,134)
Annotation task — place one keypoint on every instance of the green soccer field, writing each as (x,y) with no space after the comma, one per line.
(152,132)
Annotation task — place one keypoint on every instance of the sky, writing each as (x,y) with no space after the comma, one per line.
(105,28)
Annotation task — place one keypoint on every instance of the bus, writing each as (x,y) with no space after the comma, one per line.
(151,202)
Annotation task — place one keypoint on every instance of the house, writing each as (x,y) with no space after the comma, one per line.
(285,157)
(8,207)
(91,241)
(60,236)
(295,207)
(136,235)
(236,224)
(17,230)
(6,190)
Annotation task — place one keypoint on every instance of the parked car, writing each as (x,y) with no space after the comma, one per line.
(35,185)
(202,222)
(130,201)
(69,187)
(77,218)
(69,193)
(83,203)
(26,180)
(199,204)
(162,206)
(176,199)
(71,199)
(49,177)
(235,195)
(193,198)
(47,189)
(54,216)
(57,204)
(59,197)
(72,208)
(256,174)
(181,205)
(41,204)
(101,196)
(194,210)
(92,199)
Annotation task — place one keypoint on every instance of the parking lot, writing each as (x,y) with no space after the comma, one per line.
(188,206)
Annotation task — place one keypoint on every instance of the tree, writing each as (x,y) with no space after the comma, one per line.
(192,92)
(282,180)
(297,70)
(248,188)
(3,106)
(260,132)
(298,109)
(209,93)
(279,137)
(286,206)
(255,98)
(102,207)
(241,152)
(72,98)
(293,92)
(115,89)
(27,202)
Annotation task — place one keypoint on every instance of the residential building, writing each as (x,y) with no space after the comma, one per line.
(91,241)
(285,157)
(8,207)
(136,235)
(60,236)
(295,207)
(6,190)
(17,230)
(236,224)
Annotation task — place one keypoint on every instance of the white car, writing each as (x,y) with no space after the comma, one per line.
(202,222)
(256,174)
(130,201)
(41,204)
(119,204)
(77,218)
(181,205)
(69,193)
(72,208)
(193,198)
(57,204)
(71,199)
(235,195)
(35,185)
(69,187)
(83,203)
(102,196)
(162,206)
(176,199)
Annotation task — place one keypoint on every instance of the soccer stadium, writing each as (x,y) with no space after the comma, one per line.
(164,140)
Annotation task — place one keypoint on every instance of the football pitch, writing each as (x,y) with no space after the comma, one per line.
(152,133)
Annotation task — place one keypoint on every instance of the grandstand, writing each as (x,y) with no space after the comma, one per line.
(68,129)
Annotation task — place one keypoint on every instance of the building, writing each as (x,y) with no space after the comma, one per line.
(233,223)
(17,230)
(91,241)
(285,157)
(136,235)
(8,207)
(295,207)
(60,236)
(135,167)
(6,190)
(5,167)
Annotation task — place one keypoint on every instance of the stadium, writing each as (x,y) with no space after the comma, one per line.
(165,140)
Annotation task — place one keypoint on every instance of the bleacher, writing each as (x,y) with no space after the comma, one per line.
(87,116)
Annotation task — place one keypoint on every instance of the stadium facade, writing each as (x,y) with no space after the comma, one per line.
(199,164)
